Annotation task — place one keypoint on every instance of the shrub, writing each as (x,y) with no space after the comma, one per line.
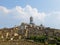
(38,38)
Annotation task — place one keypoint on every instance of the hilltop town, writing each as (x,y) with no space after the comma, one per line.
(26,31)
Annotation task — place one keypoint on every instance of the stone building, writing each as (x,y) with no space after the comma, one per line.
(26,30)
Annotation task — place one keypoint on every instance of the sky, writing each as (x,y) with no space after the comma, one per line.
(14,12)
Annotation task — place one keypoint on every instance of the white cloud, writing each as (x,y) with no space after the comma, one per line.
(28,11)
(18,14)
(23,14)
(55,14)
(53,19)
(4,9)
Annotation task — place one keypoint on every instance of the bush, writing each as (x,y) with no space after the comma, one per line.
(58,39)
(38,38)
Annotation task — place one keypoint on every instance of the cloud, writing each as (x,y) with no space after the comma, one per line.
(18,14)
(29,11)
(53,19)
(4,9)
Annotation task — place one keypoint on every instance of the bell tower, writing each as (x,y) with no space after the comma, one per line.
(31,20)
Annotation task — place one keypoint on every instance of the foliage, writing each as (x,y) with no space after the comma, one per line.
(51,44)
(38,38)
(58,39)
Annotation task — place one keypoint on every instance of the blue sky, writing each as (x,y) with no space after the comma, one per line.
(14,12)
(41,5)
